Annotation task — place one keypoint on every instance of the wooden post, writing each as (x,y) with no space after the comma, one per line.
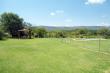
(30,34)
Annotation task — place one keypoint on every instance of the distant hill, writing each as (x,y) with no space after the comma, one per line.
(50,28)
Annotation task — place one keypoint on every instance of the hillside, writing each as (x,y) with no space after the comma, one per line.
(50,28)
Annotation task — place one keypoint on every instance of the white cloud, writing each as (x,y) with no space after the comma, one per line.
(69,20)
(59,11)
(52,14)
(94,2)
(105,24)
(104,16)
(56,12)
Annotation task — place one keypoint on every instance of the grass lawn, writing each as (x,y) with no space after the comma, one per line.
(54,56)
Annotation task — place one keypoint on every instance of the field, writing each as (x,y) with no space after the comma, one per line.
(54,56)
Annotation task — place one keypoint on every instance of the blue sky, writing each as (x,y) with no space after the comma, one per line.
(60,12)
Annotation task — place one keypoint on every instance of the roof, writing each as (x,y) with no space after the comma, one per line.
(23,30)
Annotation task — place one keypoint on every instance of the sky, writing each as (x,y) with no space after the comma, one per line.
(60,12)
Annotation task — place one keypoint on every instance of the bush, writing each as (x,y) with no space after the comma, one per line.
(61,35)
(2,35)
(40,33)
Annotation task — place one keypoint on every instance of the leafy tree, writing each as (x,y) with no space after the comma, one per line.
(60,35)
(51,34)
(29,27)
(3,35)
(81,32)
(104,32)
(41,33)
(11,23)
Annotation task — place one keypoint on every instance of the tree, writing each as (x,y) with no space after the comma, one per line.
(11,23)
(104,32)
(61,34)
(29,27)
(41,33)
(81,32)
(3,35)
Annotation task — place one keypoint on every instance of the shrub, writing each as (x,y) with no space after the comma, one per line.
(2,35)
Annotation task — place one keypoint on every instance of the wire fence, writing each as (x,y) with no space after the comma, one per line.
(99,46)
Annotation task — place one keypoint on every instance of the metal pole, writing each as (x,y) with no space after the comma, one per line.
(99,44)
(99,40)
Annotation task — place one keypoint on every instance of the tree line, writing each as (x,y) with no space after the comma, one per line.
(103,32)
(13,26)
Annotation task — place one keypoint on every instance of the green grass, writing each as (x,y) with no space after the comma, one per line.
(54,56)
